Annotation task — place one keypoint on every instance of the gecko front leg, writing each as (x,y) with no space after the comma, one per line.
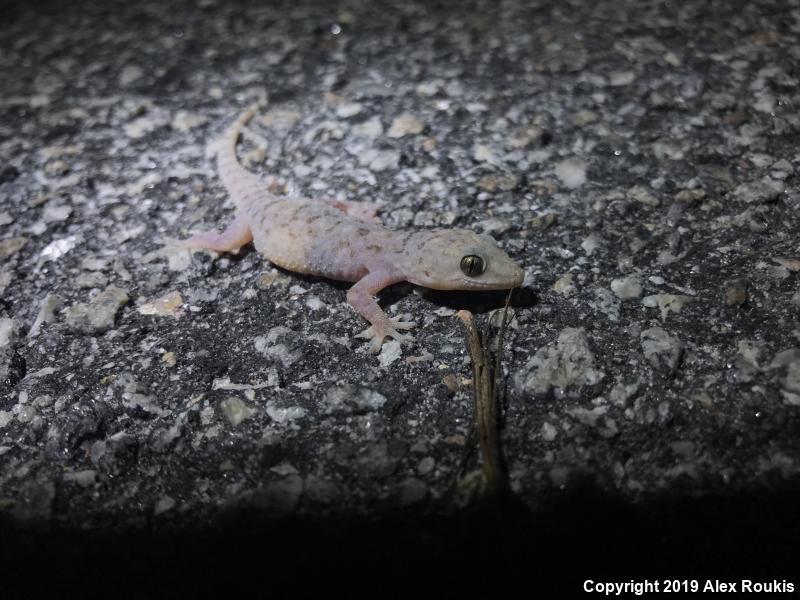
(362,298)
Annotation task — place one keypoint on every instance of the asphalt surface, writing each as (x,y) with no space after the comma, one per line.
(639,159)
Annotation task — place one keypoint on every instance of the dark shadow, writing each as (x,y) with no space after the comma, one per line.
(493,547)
(479,301)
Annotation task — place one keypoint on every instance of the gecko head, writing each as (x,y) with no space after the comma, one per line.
(459,259)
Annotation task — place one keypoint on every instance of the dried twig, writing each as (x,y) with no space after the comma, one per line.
(484,382)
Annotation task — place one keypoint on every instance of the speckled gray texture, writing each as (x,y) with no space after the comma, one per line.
(638,158)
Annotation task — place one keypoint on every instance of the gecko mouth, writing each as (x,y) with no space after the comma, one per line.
(489,286)
(514,281)
(464,284)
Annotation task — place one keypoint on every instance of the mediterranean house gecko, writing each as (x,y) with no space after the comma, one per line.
(345,241)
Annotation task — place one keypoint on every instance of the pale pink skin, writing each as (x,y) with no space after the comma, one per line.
(344,240)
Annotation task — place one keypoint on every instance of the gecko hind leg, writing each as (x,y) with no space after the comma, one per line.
(236,235)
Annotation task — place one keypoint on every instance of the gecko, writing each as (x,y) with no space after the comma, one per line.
(344,240)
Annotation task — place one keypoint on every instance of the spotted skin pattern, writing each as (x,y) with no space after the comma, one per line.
(345,241)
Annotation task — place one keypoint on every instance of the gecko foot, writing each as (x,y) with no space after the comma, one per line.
(376,334)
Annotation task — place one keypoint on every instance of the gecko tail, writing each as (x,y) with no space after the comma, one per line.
(241,184)
(231,135)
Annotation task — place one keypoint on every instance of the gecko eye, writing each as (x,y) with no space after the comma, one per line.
(473,265)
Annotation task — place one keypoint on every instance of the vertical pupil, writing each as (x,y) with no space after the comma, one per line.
(472,265)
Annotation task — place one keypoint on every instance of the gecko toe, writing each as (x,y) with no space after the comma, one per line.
(376,339)
(401,337)
(397,323)
(367,334)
